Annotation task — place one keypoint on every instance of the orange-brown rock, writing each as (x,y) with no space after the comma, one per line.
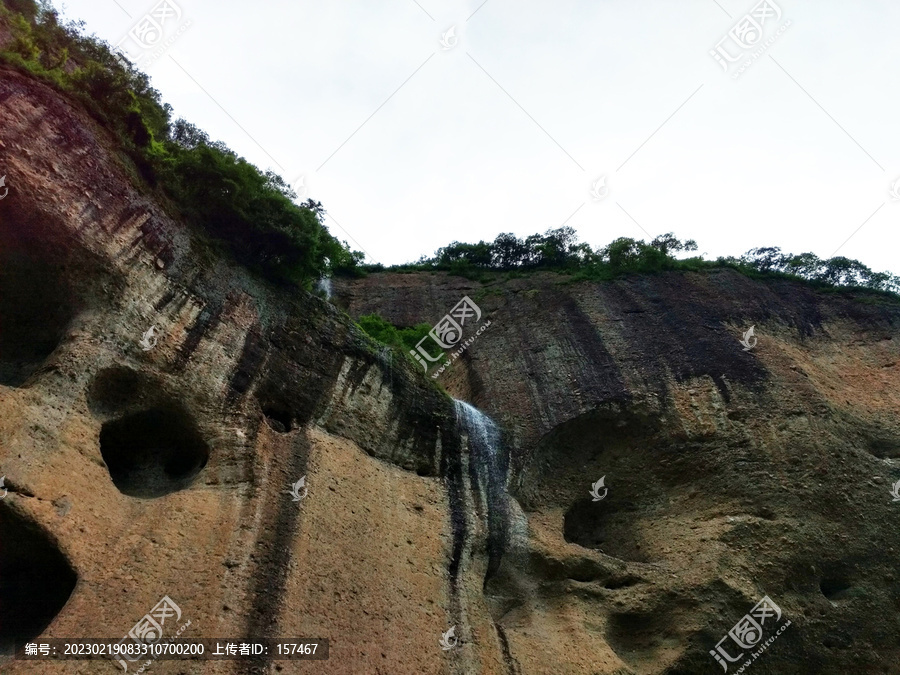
(141,464)
(732,474)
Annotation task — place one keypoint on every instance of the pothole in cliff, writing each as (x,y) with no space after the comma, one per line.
(36,580)
(594,525)
(274,403)
(37,305)
(835,588)
(278,419)
(153,452)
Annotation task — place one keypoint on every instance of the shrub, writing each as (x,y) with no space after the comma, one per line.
(403,339)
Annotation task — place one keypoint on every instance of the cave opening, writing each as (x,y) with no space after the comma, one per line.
(153,452)
(36,579)
(278,418)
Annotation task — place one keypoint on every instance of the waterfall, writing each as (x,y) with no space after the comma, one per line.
(488,468)
(323,285)
(483,434)
(477,450)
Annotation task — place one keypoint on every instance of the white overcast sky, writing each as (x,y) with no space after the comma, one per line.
(411,146)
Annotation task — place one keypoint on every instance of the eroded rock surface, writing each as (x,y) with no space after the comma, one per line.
(731,474)
(142,464)
(147,463)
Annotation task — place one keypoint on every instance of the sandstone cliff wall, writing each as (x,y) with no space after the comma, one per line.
(732,474)
(137,474)
(134,474)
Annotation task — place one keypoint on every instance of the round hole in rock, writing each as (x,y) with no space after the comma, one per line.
(835,588)
(277,418)
(152,453)
(36,580)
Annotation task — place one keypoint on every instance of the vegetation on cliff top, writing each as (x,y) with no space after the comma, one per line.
(559,250)
(250,211)
(254,214)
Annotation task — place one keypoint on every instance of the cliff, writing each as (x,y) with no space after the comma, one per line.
(148,463)
(134,474)
(732,473)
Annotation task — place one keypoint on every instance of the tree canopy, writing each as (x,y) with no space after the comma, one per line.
(559,250)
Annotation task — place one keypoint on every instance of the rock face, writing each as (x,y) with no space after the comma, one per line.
(731,474)
(141,464)
(147,463)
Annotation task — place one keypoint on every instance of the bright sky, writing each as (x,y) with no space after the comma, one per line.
(506,126)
